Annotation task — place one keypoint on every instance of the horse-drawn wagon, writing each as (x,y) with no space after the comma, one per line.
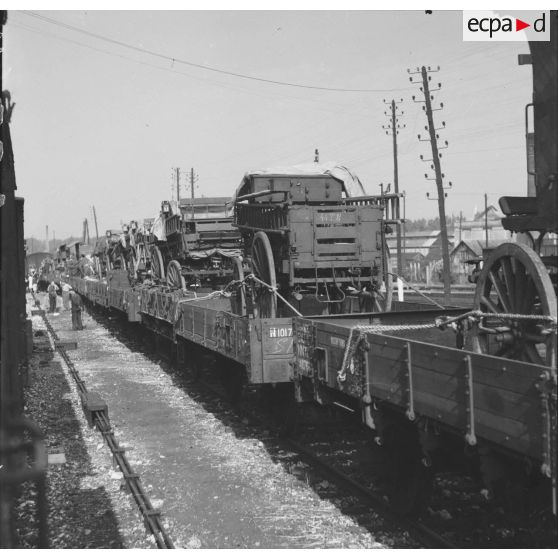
(312,237)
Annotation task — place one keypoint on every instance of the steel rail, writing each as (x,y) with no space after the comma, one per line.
(151,517)
(418,530)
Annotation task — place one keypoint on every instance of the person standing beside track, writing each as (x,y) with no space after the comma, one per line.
(77,304)
(66,296)
(52,296)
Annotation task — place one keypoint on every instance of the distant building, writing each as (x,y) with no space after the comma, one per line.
(420,251)
(476,229)
(466,252)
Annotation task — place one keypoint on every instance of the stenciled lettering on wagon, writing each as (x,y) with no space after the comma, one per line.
(286,331)
(330,217)
(303,358)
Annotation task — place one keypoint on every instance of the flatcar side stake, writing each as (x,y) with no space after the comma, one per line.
(410,391)
(470,437)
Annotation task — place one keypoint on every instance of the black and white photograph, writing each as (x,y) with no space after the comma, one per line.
(278,276)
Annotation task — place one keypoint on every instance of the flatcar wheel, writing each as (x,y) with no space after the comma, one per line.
(263,267)
(175,279)
(157,265)
(514,280)
(238,299)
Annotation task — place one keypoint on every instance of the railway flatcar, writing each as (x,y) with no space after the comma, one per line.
(500,399)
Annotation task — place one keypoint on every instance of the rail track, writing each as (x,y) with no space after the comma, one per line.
(97,414)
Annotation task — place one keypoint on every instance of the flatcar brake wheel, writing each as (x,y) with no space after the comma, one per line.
(514,280)
(263,267)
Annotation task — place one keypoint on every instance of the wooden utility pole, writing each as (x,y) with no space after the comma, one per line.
(436,156)
(96,228)
(394,127)
(177,171)
(192,185)
(486,220)
(460,225)
(47,244)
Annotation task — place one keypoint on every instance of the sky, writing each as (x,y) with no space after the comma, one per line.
(99,124)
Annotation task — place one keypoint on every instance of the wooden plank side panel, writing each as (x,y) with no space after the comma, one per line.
(388,369)
(505,416)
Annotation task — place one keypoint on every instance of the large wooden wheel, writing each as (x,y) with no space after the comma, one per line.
(263,267)
(514,280)
(157,265)
(175,279)
(238,299)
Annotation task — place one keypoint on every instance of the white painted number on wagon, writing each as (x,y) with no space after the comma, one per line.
(280,331)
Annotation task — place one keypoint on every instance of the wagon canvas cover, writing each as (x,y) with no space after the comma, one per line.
(352,185)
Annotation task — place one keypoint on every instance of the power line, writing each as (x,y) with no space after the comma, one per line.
(174,60)
(311,105)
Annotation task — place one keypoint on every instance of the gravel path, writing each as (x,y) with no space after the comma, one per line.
(87,508)
(216,485)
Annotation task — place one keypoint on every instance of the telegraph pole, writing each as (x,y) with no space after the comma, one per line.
(47,242)
(193,179)
(436,156)
(395,127)
(96,228)
(486,220)
(177,189)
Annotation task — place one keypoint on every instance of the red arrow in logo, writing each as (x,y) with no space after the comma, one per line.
(519,25)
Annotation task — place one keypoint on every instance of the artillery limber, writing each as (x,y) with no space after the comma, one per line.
(515,299)
(195,248)
(313,238)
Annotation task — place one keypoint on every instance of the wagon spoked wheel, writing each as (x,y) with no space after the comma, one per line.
(175,279)
(263,267)
(238,299)
(514,280)
(157,265)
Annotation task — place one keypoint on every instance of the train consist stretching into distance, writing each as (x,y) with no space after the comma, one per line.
(289,283)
